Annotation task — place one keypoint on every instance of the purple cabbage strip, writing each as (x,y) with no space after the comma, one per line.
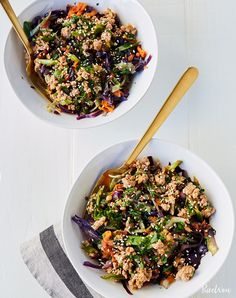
(91,265)
(182,195)
(108,264)
(126,287)
(44,70)
(86,228)
(140,64)
(91,115)
(195,251)
(65,110)
(117,195)
(107,98)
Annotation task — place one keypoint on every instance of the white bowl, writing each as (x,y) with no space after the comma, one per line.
(222,221)
(129,12)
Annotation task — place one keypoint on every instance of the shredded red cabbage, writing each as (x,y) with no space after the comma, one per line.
(86,228)
(91,265)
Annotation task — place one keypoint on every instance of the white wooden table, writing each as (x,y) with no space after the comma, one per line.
(38,162)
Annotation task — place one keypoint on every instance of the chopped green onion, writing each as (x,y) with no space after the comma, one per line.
(47,62)
(73,57)
(112,276)
(127,46)
(27,28)
(174,165)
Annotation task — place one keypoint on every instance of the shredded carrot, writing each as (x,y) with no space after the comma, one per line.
(106,107)
(46,25)
(77,10)
(152,218)
(118,93)
(107,244)
(91,14)
(130,57)
(118,186)
(75,64)
(170,279)
(81,8)
(106,235)
(73,10)
(142,53)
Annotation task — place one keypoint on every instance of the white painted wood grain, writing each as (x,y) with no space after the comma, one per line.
(38,162)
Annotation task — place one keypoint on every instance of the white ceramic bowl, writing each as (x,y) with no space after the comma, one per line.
(129,12)
(222,221)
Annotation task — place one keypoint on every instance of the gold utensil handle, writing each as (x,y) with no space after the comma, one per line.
(16,24)
(174,98)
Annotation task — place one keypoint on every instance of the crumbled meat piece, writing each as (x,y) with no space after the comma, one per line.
(40,46)
(66,32)
(179,262)
(185,273)
(142,178)
(128,181)
(203,201)
(160,179)
(160,247)
(139,278)
(62,61)
(97,45)
(106,36)
(129,28)
(168,236)
(190,189)
(208,211)
(98,223)
(183,213)
(165,206)
(74,92)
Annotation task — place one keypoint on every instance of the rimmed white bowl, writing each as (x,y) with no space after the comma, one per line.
(222,221)
(129,12)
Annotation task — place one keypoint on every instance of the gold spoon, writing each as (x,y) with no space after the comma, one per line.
(185,82)
(33,77)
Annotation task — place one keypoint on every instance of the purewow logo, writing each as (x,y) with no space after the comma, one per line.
(215,290)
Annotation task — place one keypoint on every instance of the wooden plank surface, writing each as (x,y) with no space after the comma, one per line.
(38,162)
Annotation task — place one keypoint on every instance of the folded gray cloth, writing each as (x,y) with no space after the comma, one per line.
(46,259)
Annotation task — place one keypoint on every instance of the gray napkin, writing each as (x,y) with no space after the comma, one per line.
(45,257)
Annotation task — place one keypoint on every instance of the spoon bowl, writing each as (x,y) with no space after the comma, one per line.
(183,85)
(33,77)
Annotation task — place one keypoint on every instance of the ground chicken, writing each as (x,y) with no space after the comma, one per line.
(183,213)
(203,201)
(160,247)
(142,178)
(40,46)
(139,278)
(128,181)
(191,190)
(178,262)
(160,179)
(106,36)
(165,206)
(66,32)
(97,45)
(208,212)
(185,273)
(98,223)
(129,28)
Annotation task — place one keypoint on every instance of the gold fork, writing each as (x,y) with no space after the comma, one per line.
(33,77)
(185,82)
